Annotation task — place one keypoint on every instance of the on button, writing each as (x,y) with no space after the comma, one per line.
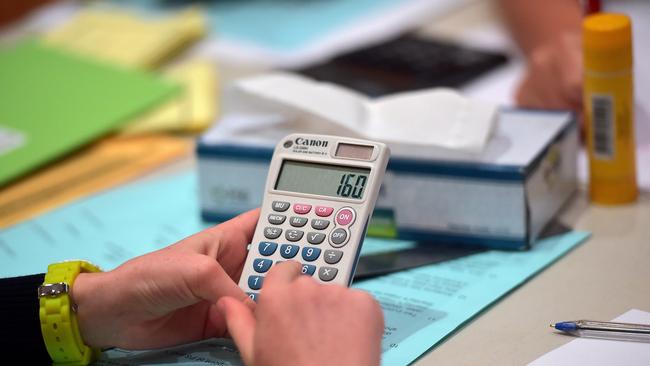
(345,216)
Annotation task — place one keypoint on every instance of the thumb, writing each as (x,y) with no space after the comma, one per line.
(241,325)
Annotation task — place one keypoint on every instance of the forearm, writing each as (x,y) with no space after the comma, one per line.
(20,335)
(535,23)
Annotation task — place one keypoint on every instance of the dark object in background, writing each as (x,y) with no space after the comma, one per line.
(405,63)
(423,254)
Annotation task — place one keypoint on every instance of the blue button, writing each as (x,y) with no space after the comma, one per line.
(267,247)
(310,254)
(308,269)
(288,250)
(253,295)
(255,282)
(262,265)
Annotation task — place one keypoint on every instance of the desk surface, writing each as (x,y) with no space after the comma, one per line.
(601,279)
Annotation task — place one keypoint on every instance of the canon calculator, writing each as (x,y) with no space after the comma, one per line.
(319,195)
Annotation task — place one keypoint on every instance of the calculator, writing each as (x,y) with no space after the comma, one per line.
(319,195)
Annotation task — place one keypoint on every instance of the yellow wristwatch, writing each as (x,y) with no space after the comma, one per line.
(57,313)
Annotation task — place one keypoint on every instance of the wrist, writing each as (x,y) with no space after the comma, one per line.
(86,294)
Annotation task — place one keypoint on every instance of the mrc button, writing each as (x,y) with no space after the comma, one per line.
(345,216)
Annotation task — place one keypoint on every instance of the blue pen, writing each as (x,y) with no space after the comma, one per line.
(605,330)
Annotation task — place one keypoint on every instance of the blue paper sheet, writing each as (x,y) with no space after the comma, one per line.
(280,25)
(421,306)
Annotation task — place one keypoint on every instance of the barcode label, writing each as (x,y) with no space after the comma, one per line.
(602,113)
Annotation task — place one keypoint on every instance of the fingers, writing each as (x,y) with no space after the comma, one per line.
(240,228)
(282,274)
(209,281)
(241,326)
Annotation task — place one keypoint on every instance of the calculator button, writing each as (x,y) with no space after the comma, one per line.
(262,265)
(301,209)
(332,256)
(345,216)
(288,251)
(310,254)
(293,235)
(323,211)
(280,206)
(253,295)
(326,273)
(267,247)
(338,237)
(276,219)
(255,282)
(308,269)
(296,221)
(315,238)
(272,232)
(319,224)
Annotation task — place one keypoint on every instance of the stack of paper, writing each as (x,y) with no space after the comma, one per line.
(127,39)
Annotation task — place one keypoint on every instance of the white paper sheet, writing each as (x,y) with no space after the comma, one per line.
(597,352)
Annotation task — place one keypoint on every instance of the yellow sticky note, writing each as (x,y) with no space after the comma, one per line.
(118,36)
(193,110)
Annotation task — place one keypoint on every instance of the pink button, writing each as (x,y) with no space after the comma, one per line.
(301,209)
(344,217)
(323,211)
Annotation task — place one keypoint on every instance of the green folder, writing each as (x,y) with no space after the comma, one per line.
(52,102)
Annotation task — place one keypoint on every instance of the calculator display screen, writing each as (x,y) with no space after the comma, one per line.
(322,179)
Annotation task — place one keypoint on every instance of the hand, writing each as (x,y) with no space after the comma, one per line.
(166,297)
(298,321)
(554,76)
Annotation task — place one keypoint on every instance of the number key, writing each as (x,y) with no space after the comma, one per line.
(308,269)
(310,254)
(262,265)
(267,248)
(288,251)
(255,282)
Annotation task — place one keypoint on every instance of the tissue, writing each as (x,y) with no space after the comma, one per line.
(438,117)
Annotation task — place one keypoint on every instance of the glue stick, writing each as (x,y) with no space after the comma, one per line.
(609,108)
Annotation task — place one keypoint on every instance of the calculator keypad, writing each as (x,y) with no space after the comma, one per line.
(315,238)
(310,254)
(280,206)
(300,244)
(327,273)
(276,219)
(333,256)
(267,248)
(294,235)
(323,211)
(319,224)
(262,265)
(272,232)
(288,251)
(297,221)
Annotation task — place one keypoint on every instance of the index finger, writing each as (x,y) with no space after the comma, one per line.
(283,273)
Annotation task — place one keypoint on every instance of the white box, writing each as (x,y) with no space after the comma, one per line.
(500,198)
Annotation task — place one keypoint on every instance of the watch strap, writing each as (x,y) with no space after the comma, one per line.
(57,314)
